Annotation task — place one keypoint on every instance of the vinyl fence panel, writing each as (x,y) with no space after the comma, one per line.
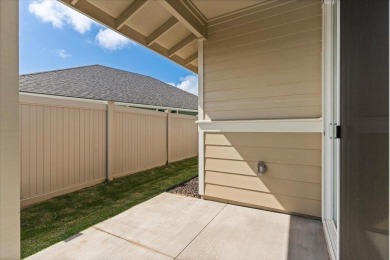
(69,144)
(139,140)
(182,137)
(63,146)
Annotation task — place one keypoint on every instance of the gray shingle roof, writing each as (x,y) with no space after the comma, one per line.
(109,84)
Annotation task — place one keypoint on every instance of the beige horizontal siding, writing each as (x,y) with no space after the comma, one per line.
(311,99)
(292,182)
(265,65)
(266,184)
(182,137)
(293,76)
(267,62)
(281,38)
(260,22)
(265,200)
(305,173)
(275,155)
(266,10)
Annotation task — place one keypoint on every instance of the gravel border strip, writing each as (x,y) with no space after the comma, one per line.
(188,188)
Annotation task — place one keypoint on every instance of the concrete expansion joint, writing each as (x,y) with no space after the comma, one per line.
(201,230)
(133,242)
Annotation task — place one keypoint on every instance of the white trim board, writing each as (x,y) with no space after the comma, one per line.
(200,80)
(330,84)
(201,162)
(200,118)
(274,126)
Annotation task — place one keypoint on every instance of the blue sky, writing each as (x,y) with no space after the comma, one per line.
(52,36)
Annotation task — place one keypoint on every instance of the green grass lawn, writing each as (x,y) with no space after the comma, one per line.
(54,220)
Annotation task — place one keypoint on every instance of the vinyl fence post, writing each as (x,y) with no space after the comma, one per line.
(110,140)
(167,140)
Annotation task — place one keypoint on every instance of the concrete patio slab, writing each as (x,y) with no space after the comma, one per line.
(176,227)
(246,233)
(95,244)
(166,223)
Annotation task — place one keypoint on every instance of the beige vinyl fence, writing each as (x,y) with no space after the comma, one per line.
(140,140)
(182,142)
(68,144)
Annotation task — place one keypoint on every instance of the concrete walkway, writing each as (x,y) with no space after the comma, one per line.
(175,227)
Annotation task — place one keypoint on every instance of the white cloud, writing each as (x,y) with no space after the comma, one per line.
(112,41)
(59,15)
(63,54)
(51,11)
(188,83)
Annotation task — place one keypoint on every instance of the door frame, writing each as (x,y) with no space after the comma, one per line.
(330,65)
(330,85)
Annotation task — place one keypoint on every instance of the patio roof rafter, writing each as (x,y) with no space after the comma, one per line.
(191,38)
(129,12)
(150,41)
(191,58)
(160,31)
(179,10)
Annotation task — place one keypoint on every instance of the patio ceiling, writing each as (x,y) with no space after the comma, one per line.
(169,27)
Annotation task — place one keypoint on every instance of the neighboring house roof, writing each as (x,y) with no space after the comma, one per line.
(103,83)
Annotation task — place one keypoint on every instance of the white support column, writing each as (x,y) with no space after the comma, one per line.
(200,80)
(200,118)
(9,132)
(201,162)
(168,128)
(110,141)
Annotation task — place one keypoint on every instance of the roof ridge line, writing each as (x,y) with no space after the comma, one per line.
(48,71)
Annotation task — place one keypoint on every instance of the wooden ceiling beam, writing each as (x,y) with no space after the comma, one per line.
(181,45)
(129,12)
(186,17)
(192,68)
(165,27)
(190,59)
